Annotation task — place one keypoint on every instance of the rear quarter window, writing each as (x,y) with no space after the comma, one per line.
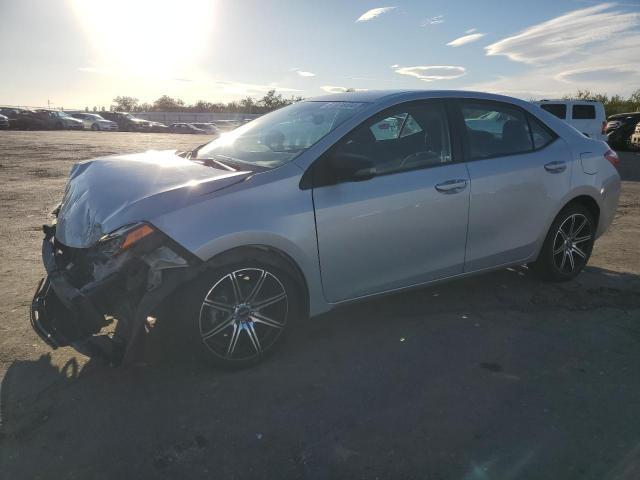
(540,133)
(557,109)
(583,112)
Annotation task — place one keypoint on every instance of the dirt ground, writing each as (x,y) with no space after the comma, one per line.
(494,377)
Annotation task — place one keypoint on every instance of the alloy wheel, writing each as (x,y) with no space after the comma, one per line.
(243,314)
(571,243)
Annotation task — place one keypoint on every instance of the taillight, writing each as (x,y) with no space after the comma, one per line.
(612,157)
(604,127)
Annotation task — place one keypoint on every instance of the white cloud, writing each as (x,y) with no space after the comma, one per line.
(599,74)
(565,35)
(395,65)
(586,56)
(430,73)
(471,30)
(335,89)
(302,73)
(432,21)
(373,13)
(466,39)
(609,68)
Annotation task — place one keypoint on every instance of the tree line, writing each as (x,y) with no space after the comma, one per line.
(270,101)
(612,104)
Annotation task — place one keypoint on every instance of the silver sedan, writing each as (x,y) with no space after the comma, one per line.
(328,201)
(93,121)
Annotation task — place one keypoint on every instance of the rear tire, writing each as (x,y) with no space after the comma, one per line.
(568,245)
(95,127)
(239,313)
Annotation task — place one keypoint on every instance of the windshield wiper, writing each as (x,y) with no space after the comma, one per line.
(211,162)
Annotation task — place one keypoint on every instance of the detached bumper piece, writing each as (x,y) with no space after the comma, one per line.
(60,313)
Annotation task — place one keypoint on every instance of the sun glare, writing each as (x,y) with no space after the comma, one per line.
(146,37)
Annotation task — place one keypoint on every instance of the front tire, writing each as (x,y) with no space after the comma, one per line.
(240,313)
(95,127)
(568,245)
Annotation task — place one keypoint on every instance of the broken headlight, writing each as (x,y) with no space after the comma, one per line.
(123,238)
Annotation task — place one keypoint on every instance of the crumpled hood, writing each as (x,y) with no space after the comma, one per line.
(107,193)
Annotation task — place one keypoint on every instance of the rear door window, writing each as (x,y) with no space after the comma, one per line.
(495,130)
(557,109)
(583,112)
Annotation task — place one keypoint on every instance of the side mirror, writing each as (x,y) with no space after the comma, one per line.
(351,167)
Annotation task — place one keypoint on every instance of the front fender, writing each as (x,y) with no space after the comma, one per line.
(270,210)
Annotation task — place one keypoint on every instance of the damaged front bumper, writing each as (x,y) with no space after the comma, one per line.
(83,287)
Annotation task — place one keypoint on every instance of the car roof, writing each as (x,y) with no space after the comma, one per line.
(568,101)
(375,96)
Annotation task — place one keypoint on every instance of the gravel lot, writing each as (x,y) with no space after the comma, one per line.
(495,377)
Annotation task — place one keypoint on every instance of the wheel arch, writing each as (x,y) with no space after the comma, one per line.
(589,203)
(584,198)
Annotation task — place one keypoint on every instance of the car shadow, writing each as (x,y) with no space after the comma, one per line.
(496,376)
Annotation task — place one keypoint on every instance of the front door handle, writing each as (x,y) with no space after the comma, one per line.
(556,167)
(452,186)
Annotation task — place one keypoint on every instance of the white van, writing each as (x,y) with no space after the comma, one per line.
(586,116)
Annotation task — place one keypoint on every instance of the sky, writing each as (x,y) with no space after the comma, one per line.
(77,53)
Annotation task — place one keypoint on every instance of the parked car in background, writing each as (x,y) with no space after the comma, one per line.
(4,122)
(635,137)
(307,208)
(185,128)
(586,116)
(25,119)
(158,127)
(58,120)
(226,125)
(209,128)
(93,121)
(11,114)
(127,122)
(620,128)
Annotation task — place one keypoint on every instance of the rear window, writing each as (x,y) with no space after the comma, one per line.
(557,109)
(583,112)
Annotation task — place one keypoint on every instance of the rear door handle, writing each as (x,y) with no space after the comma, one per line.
(452,186)
(555,167)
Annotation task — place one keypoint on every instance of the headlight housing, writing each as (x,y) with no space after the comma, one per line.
(124,237)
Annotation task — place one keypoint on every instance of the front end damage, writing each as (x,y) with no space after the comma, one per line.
(124,276)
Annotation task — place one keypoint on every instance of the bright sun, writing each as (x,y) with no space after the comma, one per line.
(147,37)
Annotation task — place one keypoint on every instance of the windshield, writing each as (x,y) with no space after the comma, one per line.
(280,136)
